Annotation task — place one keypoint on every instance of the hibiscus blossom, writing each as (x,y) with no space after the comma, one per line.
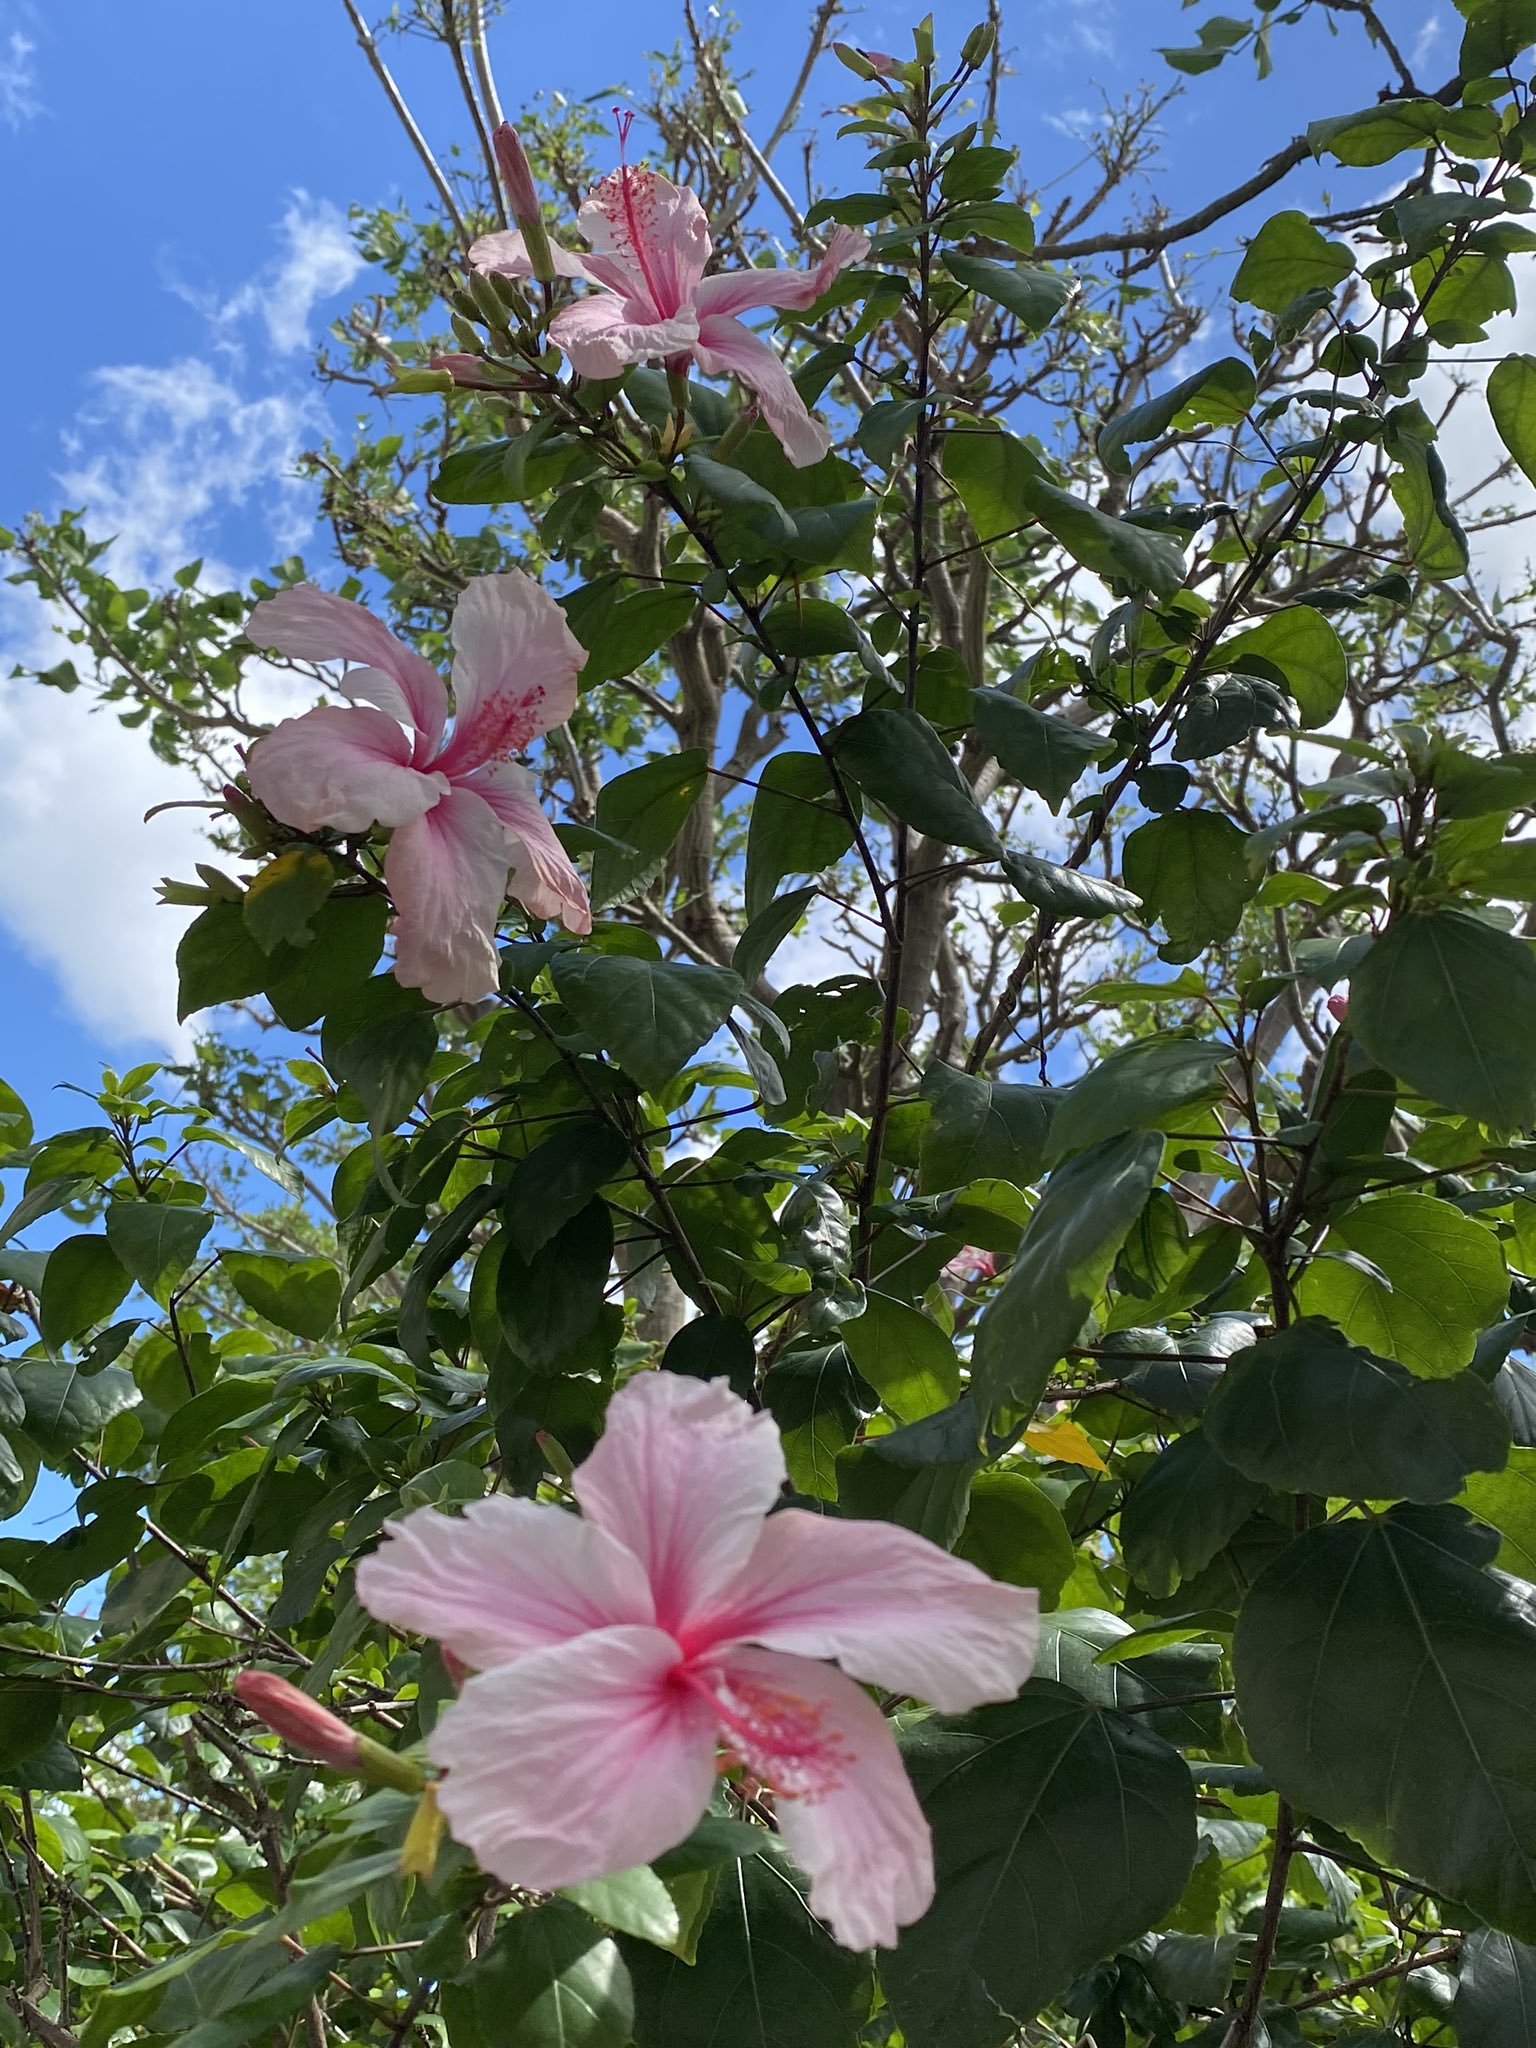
(650,243)
(467,830)
(623,1658)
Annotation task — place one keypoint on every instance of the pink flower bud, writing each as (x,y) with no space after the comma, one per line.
(302,1722)
(516,174)
(1338,1007)
(879,59)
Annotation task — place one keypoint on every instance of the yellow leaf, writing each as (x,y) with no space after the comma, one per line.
(423,1839)
(1064,1440)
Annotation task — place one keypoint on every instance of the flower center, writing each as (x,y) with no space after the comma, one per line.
(627,200)
(779,1737)
(505,723)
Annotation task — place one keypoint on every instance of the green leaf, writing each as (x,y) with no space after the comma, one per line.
(1495,1992)
(1060,1833)
(1447,1282)
(1377,133)
(906,1358)
(83,1282)
(549,1303)
(1064,1259)
(1444,1001)
(767,932)
(380,1042)
(1046,754)
(550,1979)
(982,1130)
(156,1241)
(65,1408)
(645,809)
(1190,869)
(767,1975)
(929,1498)
(652,1015)
(1435,539)
(1298,649)
(299,1294)
(1030,292)
(1506,1501)
(1073,1643)
(1380,1676)
(1217,396)
(1512,401)
(898,759)
(479,476)
(1181,1513)
(1136,1085)
(620,637)
(1306,1412)
(1066,892)
(631,1902)
(798,827)
(1288,256)
(282,900)
(1015,1533)
(218,961)
(559,1177)
(1003,487)
(1223,714)
(1496,34)
(883,432)
(29,1719)
(349,937)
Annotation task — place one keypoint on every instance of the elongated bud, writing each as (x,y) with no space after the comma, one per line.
(977,47)
(302,1722)
(523,200)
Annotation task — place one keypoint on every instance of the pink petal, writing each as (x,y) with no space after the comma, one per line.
(507,252)
(515,663)
(317,625)
(504,1578)
(735,291)
(655,230)
(844,1803)
(682,1475)
(447,874)
(604,334)
(542,879)
(342,768)
(890,1606)
(577,1760)
(725,346)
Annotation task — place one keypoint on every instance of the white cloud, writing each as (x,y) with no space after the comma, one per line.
(319,259)
(159,456)
(1425,42)
(19,102)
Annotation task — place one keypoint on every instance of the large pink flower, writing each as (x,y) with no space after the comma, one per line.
(622,1656)
(463,812)
(650,243)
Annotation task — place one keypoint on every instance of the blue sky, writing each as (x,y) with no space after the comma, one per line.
(183,243)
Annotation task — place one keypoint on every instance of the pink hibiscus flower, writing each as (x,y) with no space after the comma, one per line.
(624,1657)
(467,830)
(650,243)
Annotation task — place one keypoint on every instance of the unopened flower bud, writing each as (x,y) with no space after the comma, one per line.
(302,1722)
(473,373)
(523,200)
(868,64)
(1338,1008)
(422,380)
(977,47)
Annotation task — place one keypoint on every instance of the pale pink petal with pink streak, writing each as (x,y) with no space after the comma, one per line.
(603,335)
(340,768)
(506,1577)
(515,663)
(683,1475)
(657,231)
(845,1806)
(576,1761)
(316,625)
(891,1607)
(736,291)
(447,876)
(507,251)
(725,346)
(542,879)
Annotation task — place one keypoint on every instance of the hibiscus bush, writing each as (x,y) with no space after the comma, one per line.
(830,1343)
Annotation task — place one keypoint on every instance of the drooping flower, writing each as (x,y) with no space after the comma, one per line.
(624,1657)
(467,830)
(650,244)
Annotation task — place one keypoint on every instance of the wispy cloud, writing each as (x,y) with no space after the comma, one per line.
(318,260)
(1425,41)
(19,101)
